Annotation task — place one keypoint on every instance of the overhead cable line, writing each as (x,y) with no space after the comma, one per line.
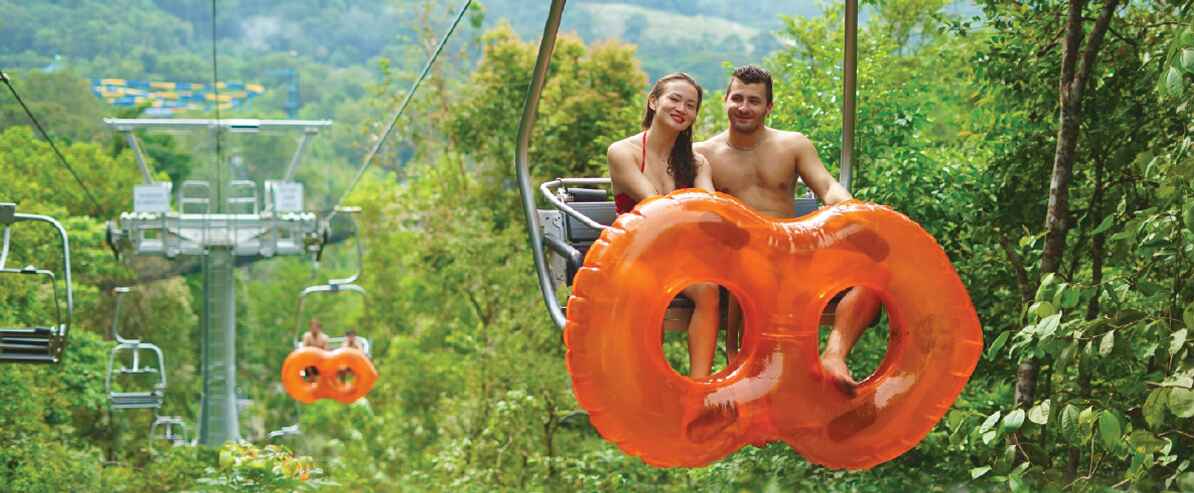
(215,85)
(53,146)
(405,101)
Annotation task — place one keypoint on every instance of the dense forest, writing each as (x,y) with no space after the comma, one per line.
(1046,145)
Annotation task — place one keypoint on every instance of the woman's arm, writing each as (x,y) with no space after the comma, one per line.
(625,174)
(704,173)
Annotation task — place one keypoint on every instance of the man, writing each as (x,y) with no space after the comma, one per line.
(760,166)
(314,338)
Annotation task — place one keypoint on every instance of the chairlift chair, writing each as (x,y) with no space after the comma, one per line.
(150,399)
(579,213)
(334,286)
(39,343)
(174,429)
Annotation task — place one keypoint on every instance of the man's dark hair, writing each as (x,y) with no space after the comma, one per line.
(351,332)
(752,74)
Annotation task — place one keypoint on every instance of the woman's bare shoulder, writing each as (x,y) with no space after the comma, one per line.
(625,148)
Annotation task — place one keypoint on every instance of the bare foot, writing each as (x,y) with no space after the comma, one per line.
(837,371)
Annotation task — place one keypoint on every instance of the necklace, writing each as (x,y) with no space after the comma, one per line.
(743,149)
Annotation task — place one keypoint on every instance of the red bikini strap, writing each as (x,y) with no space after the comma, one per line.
(642,167)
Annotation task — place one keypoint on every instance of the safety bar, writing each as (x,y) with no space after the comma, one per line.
(321,288)
(521,157)
(548,191)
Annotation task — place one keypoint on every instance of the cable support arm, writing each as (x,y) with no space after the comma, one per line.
(521,157)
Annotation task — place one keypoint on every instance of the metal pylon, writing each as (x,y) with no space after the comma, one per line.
(218,419)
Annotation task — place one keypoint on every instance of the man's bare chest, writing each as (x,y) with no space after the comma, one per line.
(740,171)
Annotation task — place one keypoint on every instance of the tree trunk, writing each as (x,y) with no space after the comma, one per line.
(1071,86)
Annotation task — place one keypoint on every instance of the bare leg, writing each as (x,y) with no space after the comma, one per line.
(854,313)
(733,329)
(702,329)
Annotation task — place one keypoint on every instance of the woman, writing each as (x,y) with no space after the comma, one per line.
(657,161)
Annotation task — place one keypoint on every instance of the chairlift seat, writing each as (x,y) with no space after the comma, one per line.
(594,204)
(136,400)
(144,370)
(31,345)
(285,431)
(151,399)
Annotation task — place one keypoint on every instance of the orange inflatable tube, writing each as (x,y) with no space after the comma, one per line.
(328,385)
(783,273)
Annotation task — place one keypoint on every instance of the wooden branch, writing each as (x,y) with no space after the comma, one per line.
(1094,43)
(1017,267)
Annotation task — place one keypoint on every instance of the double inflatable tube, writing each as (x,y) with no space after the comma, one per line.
(783,273)
(329,364)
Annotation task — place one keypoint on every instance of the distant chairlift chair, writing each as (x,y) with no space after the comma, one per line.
(151,399)
(36,344)
(172,429)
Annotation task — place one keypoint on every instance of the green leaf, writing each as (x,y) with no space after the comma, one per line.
(1188,214)
(1188,315)
(1154,407)
(1069,421)
(978,472)
(1086,417)
(1109,429)
(1145,442)
(989,436)
(998,344)
(1184,380)
(1181,402)
(1070,296)
(990,422)
(1174,82)
(1107,343)
(1042,309)
(1048,326)
(1039,413)
(1177,340)
(1188,59)
(1105,225)
(1013,421)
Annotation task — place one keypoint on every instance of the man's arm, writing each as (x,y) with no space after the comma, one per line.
(625,175)
(812,171)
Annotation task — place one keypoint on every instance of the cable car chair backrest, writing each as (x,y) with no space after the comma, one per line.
(39,343)
(333,342)
(133,400)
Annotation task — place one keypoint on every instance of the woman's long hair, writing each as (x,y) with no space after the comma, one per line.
(681,163)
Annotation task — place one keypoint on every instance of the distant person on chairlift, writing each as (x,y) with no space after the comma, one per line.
(656,161)
(759,165)
(350,340)
(314,338)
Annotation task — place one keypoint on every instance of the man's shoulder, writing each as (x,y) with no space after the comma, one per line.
(713,142)
(789,137)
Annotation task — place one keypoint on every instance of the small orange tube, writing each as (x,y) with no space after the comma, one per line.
(783,273)
(328,384)
(292,373)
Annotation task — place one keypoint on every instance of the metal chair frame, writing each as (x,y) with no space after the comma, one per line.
(36,344)
(169,424)
(151,399)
